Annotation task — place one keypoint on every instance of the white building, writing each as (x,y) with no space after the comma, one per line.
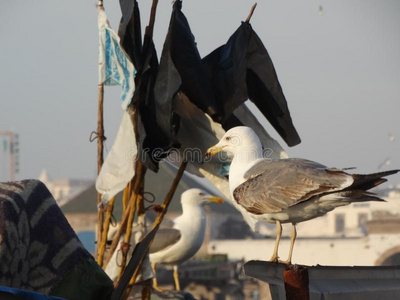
(64,190)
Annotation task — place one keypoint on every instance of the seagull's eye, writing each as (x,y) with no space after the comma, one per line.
(228,138)
(201,194)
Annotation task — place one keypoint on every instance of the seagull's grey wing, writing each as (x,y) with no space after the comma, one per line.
(151,217)
(164,238)
(260,167)
(275,185)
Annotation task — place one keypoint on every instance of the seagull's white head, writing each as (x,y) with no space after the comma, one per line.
(238,140)
(198,197)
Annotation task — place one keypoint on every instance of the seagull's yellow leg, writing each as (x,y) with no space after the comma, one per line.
(155,284)
(292,240)
(275,256)
(176,278)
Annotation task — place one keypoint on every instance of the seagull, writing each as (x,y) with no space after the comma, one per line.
(175,245)
(291,190)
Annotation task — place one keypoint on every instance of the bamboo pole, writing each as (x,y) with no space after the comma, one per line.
(140,205)
(115,241)
(126,215)
(125,201)
(128,234)
(129,193)
(126,196)
(164,207)
(141,219)
(136,197)
(251,12)
(102,246)
(146,292)
(100,159)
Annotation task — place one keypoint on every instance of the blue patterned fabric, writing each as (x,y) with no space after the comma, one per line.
(38,247)
(25,294)
(115,68)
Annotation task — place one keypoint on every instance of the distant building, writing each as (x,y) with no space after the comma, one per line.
(81,211)
(357,234)
(64,190)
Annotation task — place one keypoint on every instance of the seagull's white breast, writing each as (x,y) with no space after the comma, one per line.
(192,225)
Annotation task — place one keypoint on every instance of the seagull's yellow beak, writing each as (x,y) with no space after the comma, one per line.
(214,150)
(214,199)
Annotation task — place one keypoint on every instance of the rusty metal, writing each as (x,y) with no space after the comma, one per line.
(296,283)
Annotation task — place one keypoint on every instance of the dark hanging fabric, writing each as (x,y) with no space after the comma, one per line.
(242,69)
(152,142)
(181,69)
(130,31)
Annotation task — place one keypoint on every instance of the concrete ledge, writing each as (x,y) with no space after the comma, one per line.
(329,283)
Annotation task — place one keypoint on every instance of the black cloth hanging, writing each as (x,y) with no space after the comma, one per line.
(242,69)
(152,142)
(130,32)
(181,69)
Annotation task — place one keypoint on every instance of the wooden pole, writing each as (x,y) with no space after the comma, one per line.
(115,241)
(100,159)
(130,194)
(126,196)
(103,243)
(164,207)
(251,12)
(140,205)
(121,229)
(136,196)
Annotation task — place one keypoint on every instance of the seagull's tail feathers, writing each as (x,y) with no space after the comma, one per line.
(359,196)
(368,181)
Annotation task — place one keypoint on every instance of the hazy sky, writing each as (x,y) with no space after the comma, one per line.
(340,72)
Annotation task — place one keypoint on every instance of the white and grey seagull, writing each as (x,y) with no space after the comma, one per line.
(289,190)
(175,245)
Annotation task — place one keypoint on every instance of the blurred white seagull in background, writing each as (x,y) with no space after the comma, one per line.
(289,190)
(175,245)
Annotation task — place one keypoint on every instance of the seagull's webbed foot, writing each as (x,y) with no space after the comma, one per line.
(274,258)
(285,262)
(155,283)
(160,289)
